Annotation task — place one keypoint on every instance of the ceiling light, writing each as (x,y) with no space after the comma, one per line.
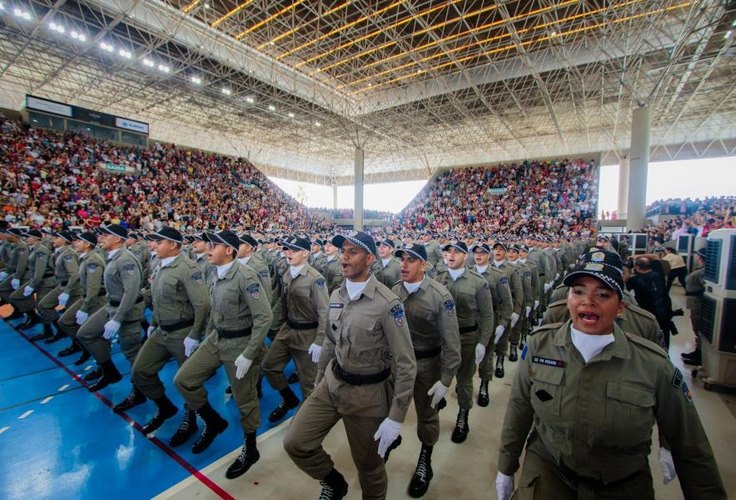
(148,62)
(291,115)
(271,107)
(317,124)
(2,6)
(728,34)
(196,80)
(226,91)
(124,53)
(22,14)
(163,68)
(106,46)
(52,25)
(250,100)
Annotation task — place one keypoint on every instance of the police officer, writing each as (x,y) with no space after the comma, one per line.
(502,308)
(38,279)
(301,312)
(536,286)
(66,272)
(15,268)
(122,315)
(333,268)
(91,270)
(366,377)
(180,306)
(240,317)
(525,275)
(591,393)
(318,259)
(387,268)
(199,255)
(517,295)
(247,256)
(694,290)
(475,318)
(430,312)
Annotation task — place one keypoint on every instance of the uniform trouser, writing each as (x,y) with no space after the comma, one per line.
(542,479)
(314,420)
(90,335)
(514,336)
(68,320)
(278,357)
(429,371)
(485,368)
(464,385)
(694,316)
(676,274)
(28,304)
(203,364)
(47,304)
(154,354)
(6,288)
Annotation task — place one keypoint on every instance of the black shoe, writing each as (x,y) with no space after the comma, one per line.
(94,374)
(165,409)
(110,375)
(293,379)
(16,314)
(32,319)
(288,401)
(423,473)
(460,433)
(214,425)
(72,349)
(47,333)
(248,456)
(696,360)
(500,372)
(135,398)
(483,398)
(83,358)
(513,354)
(187,428)
(334,486)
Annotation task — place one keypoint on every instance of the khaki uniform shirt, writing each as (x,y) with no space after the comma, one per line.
(430,312)
(694,289)
(388,275)
(304,299)
(368,335)
(534,271)
(517,289)
(333,274)
(318,261)
(40,266)
(238,301)
(503,304)
(18,260)
(179,293)
(261,269)
(123,277)
(91,272)
(66,270)
(596,418)
(525,276)
(473,302)
(434,253)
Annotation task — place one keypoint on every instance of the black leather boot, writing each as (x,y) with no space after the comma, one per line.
(288,401)
(248,456)
(110,375)
(483,398)
(187,428)
(423,473)
(513,354)
(32,319)
(334,486)
(460,433)
(47,333)
(165,409)
(500,372)
(214,424)
(135,398)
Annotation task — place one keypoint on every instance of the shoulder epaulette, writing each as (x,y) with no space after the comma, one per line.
(646,343)
(545,328)
(640,312)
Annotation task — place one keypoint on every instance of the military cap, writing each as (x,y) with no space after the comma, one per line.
(414,251)
(602,264)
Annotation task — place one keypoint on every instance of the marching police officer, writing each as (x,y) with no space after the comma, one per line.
(474,307)
(247,256)
(517,294)
(333,268)
(301,312)
(387,268)
(38,279)
(317,259)
(180,306)
(525,275)
(15,268)
(366,377)
(430,311)
(240,317)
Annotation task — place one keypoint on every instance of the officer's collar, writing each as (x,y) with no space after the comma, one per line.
(369,290)
(619,349)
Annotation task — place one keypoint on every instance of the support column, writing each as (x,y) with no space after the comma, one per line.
(638,168)
(334,195)
(623,188)
(358,206)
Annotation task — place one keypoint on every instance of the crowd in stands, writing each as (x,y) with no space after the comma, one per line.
(349,213)
(689,207)
(551,198)
(699,217)
(53,178)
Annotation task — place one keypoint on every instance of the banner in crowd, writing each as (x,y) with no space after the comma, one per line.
(114,168)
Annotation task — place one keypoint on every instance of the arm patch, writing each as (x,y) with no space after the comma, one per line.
(254,290)
(197,278)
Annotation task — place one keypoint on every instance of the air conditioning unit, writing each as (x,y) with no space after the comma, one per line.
(717,321)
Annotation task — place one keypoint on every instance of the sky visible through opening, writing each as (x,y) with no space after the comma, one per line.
(681,179)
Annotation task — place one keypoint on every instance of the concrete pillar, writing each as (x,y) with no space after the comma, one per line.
(334,195)
(638,168)
(623,188)
(358,206)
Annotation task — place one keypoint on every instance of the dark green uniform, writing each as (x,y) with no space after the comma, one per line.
(333,273)
(39,275)
(388,273)
(591,424)
(66,273)
(16,268)
(503,306)
(91,272)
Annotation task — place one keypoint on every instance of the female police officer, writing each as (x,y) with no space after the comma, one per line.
(590,394)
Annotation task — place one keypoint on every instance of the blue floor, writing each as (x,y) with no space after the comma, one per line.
(58,440)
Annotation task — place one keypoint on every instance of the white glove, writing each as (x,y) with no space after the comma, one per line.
(15,283)
(667,464)
(28,291)
(63,299)
(499,333)
(111,328)
(242,364)
(514,319)
(546,287)
(3,276)
(387,432)
(527,311)
(557,276)
(190,345)
(149,331)
(504,486)
(314,351)
(480,351)
(536,304)
(437,392)
(81,317)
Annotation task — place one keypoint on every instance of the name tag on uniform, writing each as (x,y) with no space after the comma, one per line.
(336,305)
(548,362)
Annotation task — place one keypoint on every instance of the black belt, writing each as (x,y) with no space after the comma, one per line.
(355,379)
(431,353)
(116,303)
(591,482)
(301,326)
(177,326)
(234,334)
(468,329)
